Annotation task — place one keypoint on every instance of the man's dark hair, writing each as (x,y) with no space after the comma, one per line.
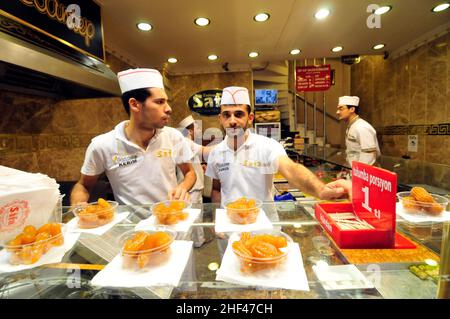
(139,94)
(356,108)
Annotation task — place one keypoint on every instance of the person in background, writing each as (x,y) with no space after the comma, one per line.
(243,164)
(187,128)
(140,155)
(360,137)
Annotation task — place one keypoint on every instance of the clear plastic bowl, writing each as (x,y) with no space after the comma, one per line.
(27,254)
(255,264)
(91,216)
(415,207)
(169,216)
(243,216)
(145,258)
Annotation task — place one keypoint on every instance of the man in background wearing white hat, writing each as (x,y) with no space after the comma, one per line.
(187,128)
(360,137)
(139,156)
(243,164)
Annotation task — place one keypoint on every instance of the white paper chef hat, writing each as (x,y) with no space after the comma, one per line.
(235,95)
(133,79)
(186,122)
(349,100)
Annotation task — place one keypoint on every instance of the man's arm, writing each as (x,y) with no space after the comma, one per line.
(215,191)
(302,178)
(182,189)
(81,190)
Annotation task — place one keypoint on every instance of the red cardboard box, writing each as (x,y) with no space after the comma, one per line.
(373,200)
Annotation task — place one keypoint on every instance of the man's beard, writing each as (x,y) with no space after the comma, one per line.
(235,132)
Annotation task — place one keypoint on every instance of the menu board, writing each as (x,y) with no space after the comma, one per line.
(313,78)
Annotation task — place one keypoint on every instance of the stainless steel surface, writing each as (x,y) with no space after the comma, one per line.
(24,54)
(444,270)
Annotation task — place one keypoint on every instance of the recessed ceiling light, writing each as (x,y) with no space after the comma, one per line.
(378,46)
(441,7)
(144,26)
(337,49)
(295,51)
(253,54)
(261,17)
(212,57)
(172,60)
(213,266)
(322,14)
(202,21)
(383,10)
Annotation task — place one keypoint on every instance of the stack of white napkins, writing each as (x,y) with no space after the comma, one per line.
(73,227)
(54,255)
(182,226)
(223,223)
(167,274)
(290,275)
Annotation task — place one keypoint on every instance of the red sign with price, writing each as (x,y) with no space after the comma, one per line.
(374,195)
(313,78)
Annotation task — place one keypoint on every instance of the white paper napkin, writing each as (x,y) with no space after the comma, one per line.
(181,226)
(54,255)
(290,275)
(223,223)
(168,274)
(72,225)
(341,277)
(420,217)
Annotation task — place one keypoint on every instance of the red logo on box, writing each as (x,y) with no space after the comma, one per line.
(13,215)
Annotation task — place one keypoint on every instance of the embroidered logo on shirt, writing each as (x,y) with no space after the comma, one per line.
(164,152)
(123,160)
(255,164)
(223,167)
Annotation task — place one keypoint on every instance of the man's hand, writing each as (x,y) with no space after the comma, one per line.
(338,189)
(180,193)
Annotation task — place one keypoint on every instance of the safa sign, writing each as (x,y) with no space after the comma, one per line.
(206,102)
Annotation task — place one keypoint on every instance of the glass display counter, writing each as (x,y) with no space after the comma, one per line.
(391,278)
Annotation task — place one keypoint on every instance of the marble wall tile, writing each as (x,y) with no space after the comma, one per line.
(403,87)
(436,149)
(418,83)
(436,81)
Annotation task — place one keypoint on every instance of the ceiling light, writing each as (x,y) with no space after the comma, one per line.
(172,60)
(143,26)
(441,7)
(202,21)
(213,266)
(253,54)
(261,17)
(378,46)
(322,14)
(337,49)
(383,10)
(295,51)
(212,57)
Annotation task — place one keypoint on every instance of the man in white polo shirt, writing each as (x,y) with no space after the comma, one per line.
(360,137)
(139,156)
(243,164)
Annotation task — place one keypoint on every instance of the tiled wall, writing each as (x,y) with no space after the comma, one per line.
(409,95)
(48,136)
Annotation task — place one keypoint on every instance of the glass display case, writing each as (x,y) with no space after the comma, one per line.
(390,272)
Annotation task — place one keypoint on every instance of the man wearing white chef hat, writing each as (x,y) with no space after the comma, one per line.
(360,137)
(243,164)
(140,155)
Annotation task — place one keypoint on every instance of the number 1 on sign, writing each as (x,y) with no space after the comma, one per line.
(365,203)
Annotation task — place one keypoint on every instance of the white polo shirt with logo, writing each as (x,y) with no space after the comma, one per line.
(248,171)
(361,142)
(138,176)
